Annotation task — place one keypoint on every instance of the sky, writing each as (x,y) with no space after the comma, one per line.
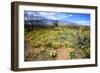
(79,18)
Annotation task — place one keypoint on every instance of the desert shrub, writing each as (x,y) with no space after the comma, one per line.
(58,37)
(83,41)
(72,55)
(80,40)
(49,45)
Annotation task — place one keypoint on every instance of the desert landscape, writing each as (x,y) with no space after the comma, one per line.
(55,38)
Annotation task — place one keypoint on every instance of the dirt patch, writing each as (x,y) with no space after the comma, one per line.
(62,54)
(37,54)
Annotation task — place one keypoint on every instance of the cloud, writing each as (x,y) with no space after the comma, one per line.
(55,15)
(47,14)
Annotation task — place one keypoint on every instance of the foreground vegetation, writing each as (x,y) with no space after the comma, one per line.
(51,43)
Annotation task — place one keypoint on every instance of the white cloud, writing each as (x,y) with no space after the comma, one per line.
(46,14)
